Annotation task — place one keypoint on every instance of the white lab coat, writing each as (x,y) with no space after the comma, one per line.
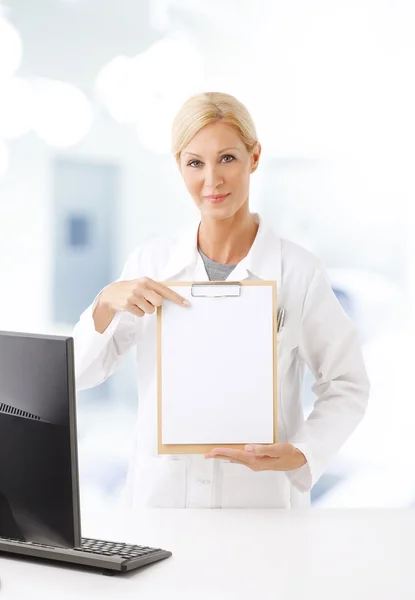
(317,332)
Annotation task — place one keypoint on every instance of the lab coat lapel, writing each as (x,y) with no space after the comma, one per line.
(264,259)
(183,257)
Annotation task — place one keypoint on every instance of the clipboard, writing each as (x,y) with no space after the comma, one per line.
(208,294)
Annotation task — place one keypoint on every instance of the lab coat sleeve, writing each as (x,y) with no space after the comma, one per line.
(97,355)
(330,347)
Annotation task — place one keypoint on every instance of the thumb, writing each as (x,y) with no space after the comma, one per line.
(274,450)
(262,450)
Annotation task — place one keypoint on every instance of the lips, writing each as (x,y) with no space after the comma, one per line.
(216,198)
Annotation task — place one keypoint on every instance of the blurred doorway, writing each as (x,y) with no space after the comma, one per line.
(84,212)
(84,230)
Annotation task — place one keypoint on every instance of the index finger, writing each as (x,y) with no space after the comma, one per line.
(170,294)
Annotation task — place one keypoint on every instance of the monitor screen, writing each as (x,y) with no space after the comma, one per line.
(39,495)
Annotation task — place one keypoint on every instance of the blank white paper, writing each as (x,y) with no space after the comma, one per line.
(217,369)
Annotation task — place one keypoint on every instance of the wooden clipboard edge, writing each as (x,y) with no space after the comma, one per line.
(203,448)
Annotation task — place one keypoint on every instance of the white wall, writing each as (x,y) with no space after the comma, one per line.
(25,240)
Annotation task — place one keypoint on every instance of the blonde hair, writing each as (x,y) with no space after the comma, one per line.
(210,107)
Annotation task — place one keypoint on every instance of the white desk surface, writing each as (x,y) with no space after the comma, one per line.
(241,555)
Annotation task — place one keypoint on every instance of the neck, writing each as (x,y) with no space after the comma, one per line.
(228,241)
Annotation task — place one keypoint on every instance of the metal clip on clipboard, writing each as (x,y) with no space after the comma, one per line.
(216,290)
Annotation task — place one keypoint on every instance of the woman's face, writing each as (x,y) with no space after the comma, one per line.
(216,167)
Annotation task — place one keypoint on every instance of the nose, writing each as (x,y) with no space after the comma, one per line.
(213,177)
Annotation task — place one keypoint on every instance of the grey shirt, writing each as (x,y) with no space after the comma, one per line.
(216,271)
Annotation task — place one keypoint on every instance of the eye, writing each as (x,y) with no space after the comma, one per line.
(194,163)
(228,157)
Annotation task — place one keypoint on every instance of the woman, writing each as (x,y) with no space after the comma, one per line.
(216,149)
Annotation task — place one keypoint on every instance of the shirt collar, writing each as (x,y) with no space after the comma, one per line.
(263,260)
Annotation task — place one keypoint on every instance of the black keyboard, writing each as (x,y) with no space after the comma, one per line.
(115,549)
(109,556)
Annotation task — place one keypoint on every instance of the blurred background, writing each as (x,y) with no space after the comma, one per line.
(88,90)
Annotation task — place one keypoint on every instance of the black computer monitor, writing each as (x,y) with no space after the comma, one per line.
(39,490)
